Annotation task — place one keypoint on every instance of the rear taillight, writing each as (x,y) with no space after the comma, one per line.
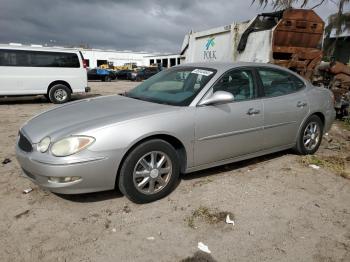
(84,63)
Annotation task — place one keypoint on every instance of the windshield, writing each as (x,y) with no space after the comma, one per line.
(177,86)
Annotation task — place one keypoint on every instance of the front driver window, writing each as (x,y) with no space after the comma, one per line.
(240,83)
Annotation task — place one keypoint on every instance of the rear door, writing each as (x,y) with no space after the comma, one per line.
(233,129)
(285,106)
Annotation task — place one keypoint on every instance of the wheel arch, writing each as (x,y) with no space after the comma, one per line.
(321,116)
(172,140)
(316,113)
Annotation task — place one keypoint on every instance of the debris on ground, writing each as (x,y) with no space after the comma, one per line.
(203,248)
(27,190)
(336,164)
(203,182)
(314,166)
(150,238)
(109,212)
(6,161)
(22,214)
(333,147)
(126,209)
(114,230)
(209,216)
(107,223)
(229,221)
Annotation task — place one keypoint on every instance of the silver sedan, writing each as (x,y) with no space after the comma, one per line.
(184,119)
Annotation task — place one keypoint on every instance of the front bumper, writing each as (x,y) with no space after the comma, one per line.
(97,174)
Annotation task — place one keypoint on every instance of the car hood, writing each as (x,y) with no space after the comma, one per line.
(88,114)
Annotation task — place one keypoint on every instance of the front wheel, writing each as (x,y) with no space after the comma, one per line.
(310,136)
(150,172)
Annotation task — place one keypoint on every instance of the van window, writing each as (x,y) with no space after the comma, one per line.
(28,58)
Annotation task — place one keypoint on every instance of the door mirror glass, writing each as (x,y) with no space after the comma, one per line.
(219,97)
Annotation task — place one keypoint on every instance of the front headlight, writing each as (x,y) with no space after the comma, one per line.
(44,144)
(71,145)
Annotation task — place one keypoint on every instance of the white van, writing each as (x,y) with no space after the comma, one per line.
(55,73)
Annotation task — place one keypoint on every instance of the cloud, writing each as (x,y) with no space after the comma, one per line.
(152,25)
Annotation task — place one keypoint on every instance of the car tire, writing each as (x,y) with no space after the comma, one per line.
(107,79)
(59,94)
(310,136)
(138,175)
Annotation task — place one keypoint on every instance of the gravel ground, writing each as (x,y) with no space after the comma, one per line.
(283,209)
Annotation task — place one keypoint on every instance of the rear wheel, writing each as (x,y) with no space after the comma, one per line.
(107,79)
(59,94)
(149,172)
(310,136)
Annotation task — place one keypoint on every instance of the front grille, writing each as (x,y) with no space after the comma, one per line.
(24,143)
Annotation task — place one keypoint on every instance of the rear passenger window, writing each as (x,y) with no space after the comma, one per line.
(278,83)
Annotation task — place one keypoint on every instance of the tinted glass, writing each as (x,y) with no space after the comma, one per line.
(38,59)
(240,83)
(277,83)
(177,86)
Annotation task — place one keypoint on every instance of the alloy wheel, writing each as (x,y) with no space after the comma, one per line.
(152,172)
(311,136)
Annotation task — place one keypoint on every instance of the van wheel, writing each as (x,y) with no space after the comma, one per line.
(59,94)
(310,136)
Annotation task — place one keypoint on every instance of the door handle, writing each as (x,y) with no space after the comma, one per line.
(301,104)
(253,111)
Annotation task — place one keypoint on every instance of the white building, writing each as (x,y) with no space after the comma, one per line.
(166,60)
(97,57)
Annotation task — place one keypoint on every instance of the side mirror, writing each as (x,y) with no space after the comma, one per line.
(219,97)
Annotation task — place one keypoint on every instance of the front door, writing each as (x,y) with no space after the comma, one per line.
(233,129)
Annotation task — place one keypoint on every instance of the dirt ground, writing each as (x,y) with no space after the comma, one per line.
(283,209)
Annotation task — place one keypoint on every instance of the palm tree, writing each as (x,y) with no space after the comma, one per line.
(339,21)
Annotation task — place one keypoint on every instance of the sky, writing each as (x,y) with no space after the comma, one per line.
(137,25)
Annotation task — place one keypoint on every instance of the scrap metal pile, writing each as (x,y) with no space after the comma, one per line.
(336,76)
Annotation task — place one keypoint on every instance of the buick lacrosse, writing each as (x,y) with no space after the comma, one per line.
(183,119)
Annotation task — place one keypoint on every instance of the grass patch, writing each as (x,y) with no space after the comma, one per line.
(208,216)
(334,163)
